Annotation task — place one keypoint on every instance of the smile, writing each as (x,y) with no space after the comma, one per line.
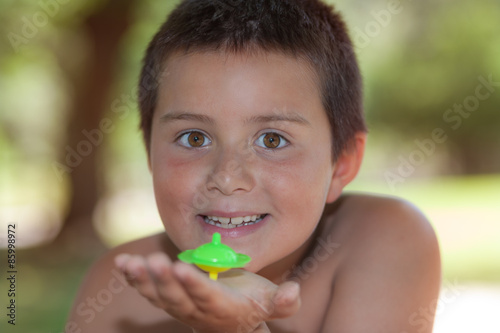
(233,222)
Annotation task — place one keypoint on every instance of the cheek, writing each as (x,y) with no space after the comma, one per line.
(295,189)
(299,185)
(176,182)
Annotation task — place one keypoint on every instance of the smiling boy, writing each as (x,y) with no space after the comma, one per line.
(253,130)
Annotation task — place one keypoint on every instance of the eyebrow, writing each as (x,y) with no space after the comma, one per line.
(287,117)
(173,116)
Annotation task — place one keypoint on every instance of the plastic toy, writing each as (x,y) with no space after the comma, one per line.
(214,257)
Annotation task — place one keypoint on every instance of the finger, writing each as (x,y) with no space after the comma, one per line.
(136,271)
(121,259)
(197,285)
(169,288)
(262,328)
(120,262)
(286,300)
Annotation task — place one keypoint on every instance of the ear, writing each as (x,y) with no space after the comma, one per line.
(347,166)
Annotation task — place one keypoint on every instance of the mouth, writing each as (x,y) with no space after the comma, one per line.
(233,222)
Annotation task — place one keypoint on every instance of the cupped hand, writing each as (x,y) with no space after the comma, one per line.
(239,301)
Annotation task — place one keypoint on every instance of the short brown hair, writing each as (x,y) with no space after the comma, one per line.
(305,28)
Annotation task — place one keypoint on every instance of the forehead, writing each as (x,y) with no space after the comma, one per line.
(243,82)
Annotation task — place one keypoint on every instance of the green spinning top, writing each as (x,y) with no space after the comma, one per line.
(214,257)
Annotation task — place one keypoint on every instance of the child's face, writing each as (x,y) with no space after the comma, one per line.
(236,136)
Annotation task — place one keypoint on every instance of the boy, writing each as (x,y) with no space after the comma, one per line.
(253,127)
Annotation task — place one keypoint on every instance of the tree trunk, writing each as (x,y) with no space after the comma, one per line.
(476,157)
(104,30)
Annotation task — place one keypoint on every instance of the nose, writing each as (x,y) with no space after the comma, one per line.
(230,173)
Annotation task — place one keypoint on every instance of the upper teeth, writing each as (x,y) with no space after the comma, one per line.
(235,220)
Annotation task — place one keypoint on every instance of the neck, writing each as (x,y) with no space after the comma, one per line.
(283,269)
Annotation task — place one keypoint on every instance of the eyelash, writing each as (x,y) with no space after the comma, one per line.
(184,137)
(283,142)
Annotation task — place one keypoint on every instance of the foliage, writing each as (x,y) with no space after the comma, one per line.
(436,63)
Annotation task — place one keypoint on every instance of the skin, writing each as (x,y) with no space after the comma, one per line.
(237,135)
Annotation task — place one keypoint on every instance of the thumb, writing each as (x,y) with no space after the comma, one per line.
(286,300)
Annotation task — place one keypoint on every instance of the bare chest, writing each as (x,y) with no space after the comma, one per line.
(316,293)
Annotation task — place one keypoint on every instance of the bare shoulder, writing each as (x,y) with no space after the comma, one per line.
(389,255)
(106,303)
(362,223)
(359,220)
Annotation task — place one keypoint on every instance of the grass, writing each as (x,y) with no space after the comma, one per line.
(45,292)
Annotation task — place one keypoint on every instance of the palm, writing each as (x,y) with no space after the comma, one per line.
(239,302)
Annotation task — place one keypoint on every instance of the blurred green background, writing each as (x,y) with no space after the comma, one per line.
(73,171)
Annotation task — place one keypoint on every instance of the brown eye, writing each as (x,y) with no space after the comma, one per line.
(193,139)
(271,140)
(196,139)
